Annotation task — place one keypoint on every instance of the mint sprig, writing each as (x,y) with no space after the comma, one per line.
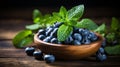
(63,32)
(113,34)
(70,18)
(87,23)
(113,50)
(22,38)
(76,12)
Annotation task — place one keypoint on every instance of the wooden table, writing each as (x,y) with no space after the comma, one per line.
(14,57)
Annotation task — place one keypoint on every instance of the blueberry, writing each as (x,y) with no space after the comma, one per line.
(54,32)
(49,58)
(77,36)
(48,31)
(75,30)
(84,32)
(101,50)
(59,42)
(69,40)
(76,42)
(41,31)
(87,41)
(48,28)
(29,51)
(92,36)
(54,40)
(41,37)
(47,39)
(103,44)
(38,54)
(81,30)
(101,57)
(58,24)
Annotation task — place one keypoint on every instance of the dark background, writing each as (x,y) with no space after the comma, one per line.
(57,3)
(24,8)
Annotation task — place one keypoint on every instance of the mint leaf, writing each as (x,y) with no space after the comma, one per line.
(63,12)
(25,42)
(101,29)
(63,32)
(87,23)
(33,27)
(115,24)
(20,36)
(110,37)
(76,12)
(36,14)
(113,50)
(57,17)
(71,23)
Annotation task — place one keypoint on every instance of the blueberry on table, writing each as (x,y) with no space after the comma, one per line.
(101,50)
(29,51)
(49,58)
(38,54)
(101,57)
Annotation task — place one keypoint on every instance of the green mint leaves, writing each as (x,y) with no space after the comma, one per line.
(87,23)
(76,12)
(22,38)
(101,29)
(113,50)
(63,32)
(112,35)
(70,19)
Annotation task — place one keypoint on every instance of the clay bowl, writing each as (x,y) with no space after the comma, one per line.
(69,52)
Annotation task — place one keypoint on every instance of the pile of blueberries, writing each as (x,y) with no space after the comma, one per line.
(79,36)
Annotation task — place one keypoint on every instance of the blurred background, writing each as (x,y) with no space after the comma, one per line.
(24,8)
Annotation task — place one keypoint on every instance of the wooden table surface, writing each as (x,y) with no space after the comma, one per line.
(14,57)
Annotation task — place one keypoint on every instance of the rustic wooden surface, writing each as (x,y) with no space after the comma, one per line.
(13,57)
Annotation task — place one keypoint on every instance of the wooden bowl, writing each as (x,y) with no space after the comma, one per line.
(69,52)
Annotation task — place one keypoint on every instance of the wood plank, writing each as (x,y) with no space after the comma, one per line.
(31,62)
(10,27)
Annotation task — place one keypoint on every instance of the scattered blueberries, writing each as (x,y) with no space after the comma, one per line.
(39,55)
(101,57)
(100,54)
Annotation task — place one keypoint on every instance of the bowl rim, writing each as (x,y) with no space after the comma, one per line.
(38,41)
